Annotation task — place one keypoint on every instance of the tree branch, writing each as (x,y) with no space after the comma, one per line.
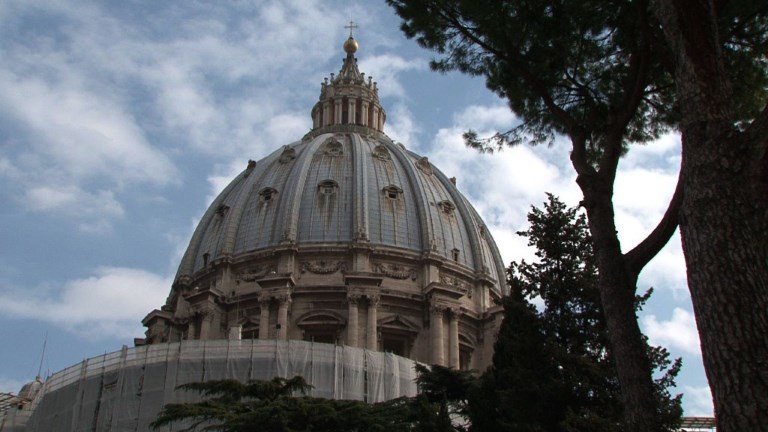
(640,255)
(525,74)
(634,90)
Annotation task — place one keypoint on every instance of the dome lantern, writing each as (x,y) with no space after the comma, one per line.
(348,98)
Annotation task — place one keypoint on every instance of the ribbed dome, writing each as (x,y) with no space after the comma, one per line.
(336,189)
(343,237)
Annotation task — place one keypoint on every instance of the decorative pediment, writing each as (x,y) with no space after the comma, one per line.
(321,318)
(399,324)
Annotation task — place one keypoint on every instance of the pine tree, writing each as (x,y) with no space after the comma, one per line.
(552,369)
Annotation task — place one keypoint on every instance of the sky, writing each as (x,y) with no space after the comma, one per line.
(120,121)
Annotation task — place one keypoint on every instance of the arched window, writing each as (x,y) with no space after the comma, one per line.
(322,326)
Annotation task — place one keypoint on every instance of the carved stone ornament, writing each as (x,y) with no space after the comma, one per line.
(395,271)
(333,148)
(253,273)
(447,207)
(424,166)
(373,300)
(323,267)
(381,153)
(203,310)
(456,284)
(288,155)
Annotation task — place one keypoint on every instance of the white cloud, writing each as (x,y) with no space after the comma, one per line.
(502,186)
(95,211)
(485,118)
(698,401)
(103,306)
(81,134)
(679,332)
(385,69)
(401,127)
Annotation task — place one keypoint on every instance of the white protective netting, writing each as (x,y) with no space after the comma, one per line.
(125,390)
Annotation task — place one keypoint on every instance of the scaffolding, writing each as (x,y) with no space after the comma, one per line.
(697,424)
(125,390)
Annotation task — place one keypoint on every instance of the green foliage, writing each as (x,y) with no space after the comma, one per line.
(562,65)
(268,406)
(552,369)
(443,402)
(599,69)
(231,406)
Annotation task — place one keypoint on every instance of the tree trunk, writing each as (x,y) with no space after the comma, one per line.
(723,219)
(617,290)
(725,241)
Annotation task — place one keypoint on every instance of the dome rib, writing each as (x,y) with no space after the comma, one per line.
(186,267)
(427,231)
(291,201)
(361,229)
(255,178)
(466,216)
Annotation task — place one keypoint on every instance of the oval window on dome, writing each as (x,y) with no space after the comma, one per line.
(392,192)
(267,194)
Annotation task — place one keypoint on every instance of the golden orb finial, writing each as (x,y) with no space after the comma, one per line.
(351,46)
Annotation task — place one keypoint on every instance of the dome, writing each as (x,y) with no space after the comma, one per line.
(342,190)
(343,236)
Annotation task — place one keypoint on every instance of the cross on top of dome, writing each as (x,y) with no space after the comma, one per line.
(351,26)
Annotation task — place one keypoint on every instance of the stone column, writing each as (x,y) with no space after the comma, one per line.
(375,118)
(205,327)
(453,339)
(364,114)
(352,323)
(282,316)
(436,328)
(206,317)
(264,318)
(337,112)
(191,329)
(236,332)
(352,117)
(371,337)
